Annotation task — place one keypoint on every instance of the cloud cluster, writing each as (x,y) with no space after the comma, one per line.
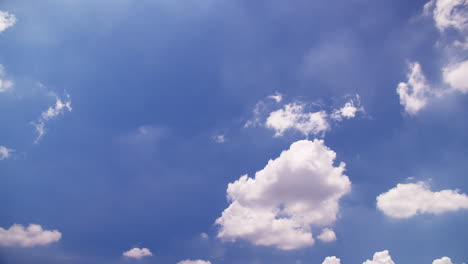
(5,85)
(5,152)
(408,200)
(299,189)
(137,253)
(198,261)
(33,235)
(349,110)
(331,260)
(382,257)
(51,113)
(416,93)
(6,20)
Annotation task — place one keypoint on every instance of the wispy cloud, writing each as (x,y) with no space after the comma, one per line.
(60,106)
(6,20)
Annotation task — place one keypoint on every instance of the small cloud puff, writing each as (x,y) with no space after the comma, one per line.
(6,20)
(382,257)
(51,113)
(277,97)
(137,253)
(5,85)
(33,235)
(198,261)
(219,138)
(444,260)
(5,152)
(331,260)
(327,235)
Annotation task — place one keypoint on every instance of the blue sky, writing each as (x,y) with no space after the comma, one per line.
(124,122)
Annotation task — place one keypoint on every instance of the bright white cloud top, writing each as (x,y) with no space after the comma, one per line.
(6,20)
(5,152)
(137,253)
(5,85)
(444,260)
(51,113)
(33,235)
(198,261)
(327,235)
(331,260)
(382,257)
(415,92)
(293,116)
(299,189)
(456,75)
(349,110)
(411,199)
(448,13)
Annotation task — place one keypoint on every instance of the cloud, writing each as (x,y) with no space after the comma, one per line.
(204,236)
(456,75)
(137,253)
(277,97)
(278,207)
(198,261)
(33,235)
(381,257)
(6,20)
(331,260)
(219,138)
(448,14)
(327,235)
(293,117)
(415,93)
(5,85)
(349,110)
(444,260)
(5,152)
(411,199)
(51,113)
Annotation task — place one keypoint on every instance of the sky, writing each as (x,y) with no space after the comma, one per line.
(233,131)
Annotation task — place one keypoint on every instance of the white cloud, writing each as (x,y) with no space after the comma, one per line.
(6,20)
(52,112)
(5,152)
(448,14)
(278,207)
(5,85)
(444,260)
(349,110)
(204,236)
(331,260)
(293,116)
(407,200)
(33,235)
(137,253)
(277,97)
(327,235)
(381,257)
(456,75)
(198,261)
(415,93)
(219,138)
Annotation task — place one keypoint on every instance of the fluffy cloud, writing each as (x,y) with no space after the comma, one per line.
(5,152)
(444,260)
(198,261)
(415,93)
(293,116)
(327,235)
(349,110)
(33,235)
(277,97)
(5,85)
(331,260)
(299,189)
(456,76)
(381,257)
(137,253)
(407,200)
(6,20)
(448,13)
(52,112)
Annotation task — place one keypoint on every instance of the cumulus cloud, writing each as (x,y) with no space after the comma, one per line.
(331,260)
(448,14)
(349,110)
(198,261)
(411,199)
(381,257)
(5,85)
(456,75)
(327,235)
(444,260)
(6,20)
(277,97)
(5,152)
(137,253)
(280,205)
(33,235)
(294,117)
(415,93)
(51,113)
